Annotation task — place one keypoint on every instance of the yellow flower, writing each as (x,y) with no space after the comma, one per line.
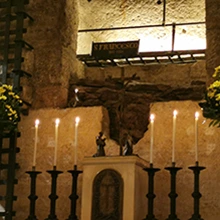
(10,102)
(217,72)
(3,97)
(2,90)
(11,93)
(215,84)
(217,97)
(9,87)
(211,93)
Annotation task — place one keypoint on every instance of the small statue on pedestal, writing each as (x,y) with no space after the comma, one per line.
(128,145)
(100,142)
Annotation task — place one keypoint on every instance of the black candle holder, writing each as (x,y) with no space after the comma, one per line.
(73,197)
(53,197)
(32,197)
(196,194)
(173,195)
(150,195)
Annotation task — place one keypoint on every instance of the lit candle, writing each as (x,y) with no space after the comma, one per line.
(151,137)
(76,97)
(35,141)
(77,119)
(196,135)
(174,135)
(56,141)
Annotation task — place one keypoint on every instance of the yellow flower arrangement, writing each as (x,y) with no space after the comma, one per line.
(10,104)
(211,105)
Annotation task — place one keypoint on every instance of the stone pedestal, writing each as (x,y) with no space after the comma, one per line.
(135,184)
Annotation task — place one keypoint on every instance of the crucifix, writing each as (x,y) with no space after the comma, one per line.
(121,105)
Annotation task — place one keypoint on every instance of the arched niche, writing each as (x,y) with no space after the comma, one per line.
(107,198)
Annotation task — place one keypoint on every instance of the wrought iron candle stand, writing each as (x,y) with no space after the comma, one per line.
(73,197)
(150,195)
(53,197)
(32,197)
(173,195)
(196,194)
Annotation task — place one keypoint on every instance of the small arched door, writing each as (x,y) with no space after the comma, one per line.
(107,200)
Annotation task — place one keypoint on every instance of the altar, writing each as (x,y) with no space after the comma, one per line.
(114,188)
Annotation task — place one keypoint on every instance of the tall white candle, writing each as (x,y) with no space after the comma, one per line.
(35,141)
(174,135)
(57,122)
(77,119)
(196,135)
(151,137)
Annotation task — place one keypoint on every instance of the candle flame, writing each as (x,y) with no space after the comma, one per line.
(76,90)
(175,113)
(77,119)
(57,121)
(37,122)
(196,115)
(152,117)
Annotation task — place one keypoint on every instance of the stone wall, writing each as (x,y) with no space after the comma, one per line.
(56,73)
(128,92)
(184,157)
(103,86)
(212,32)
(97,14)
(55,39)
(53,60)
(94,119)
